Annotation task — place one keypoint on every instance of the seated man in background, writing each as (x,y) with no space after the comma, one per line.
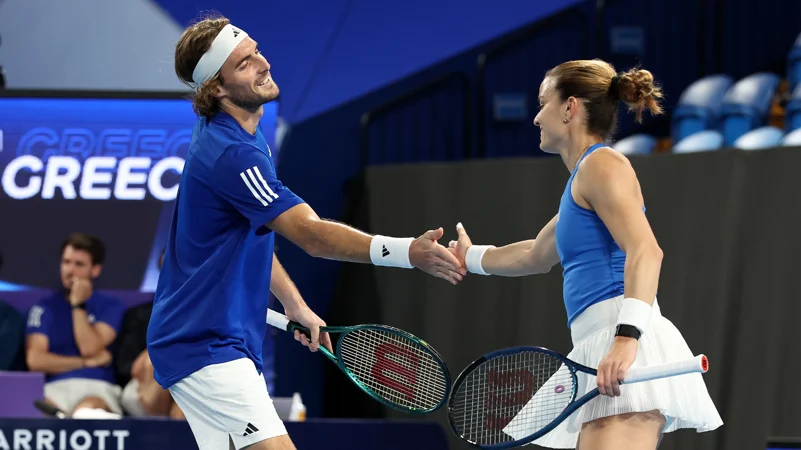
(141,395)
(70,335)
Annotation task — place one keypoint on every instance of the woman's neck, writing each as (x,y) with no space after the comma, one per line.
(576,148)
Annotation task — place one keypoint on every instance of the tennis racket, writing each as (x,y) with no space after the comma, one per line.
(49,409)
(394,367)
(514,396)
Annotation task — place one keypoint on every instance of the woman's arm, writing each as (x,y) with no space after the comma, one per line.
(608,184)
(522,258)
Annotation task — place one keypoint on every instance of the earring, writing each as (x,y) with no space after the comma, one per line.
(565,119)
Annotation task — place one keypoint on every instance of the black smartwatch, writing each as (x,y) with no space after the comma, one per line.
(81,306)
(628,331)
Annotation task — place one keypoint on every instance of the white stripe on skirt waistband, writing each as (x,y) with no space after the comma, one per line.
(600,316)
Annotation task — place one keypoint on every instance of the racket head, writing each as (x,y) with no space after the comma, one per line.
(499,388)
(395,367)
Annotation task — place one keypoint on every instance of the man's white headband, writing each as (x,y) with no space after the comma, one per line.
(221,48)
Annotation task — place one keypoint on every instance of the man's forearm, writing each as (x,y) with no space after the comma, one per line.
(52,363)
(283,288)
(86,338)
(334,240)
(344,243)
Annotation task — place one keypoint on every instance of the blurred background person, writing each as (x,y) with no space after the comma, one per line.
(70,334)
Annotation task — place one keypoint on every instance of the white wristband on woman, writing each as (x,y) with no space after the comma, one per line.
(473,257)
(390,251)
(636,313)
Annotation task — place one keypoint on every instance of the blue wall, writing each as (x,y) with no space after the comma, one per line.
(327,52)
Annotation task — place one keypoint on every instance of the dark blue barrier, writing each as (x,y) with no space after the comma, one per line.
(165,434)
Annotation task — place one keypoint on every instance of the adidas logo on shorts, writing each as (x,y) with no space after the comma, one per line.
(250,429)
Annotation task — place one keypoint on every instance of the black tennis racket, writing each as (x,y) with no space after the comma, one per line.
(393,366)
(514,396)
(49,409)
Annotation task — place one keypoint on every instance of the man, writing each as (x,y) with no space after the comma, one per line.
(70,335)
(207,328)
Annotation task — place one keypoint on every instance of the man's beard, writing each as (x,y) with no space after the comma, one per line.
(248,99)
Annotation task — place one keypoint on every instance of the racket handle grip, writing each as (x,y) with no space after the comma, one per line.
(281,322)
(699,364)
(277,320)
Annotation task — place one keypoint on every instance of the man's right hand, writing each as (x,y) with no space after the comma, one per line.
(101,359)
(80,291)
(433,258)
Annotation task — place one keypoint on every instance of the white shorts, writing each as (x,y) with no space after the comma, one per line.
(66,394)
(227,401)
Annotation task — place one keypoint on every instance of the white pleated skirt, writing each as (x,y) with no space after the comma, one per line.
(683,400)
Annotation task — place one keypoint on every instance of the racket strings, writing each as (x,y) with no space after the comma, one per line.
(521,393)
(394,367)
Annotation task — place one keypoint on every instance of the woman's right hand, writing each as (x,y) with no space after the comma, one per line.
(459,247)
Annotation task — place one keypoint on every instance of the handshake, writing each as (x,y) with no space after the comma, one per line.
(443,262)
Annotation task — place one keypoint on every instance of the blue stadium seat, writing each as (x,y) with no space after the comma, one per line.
(794,65)
(760,138)
(747,104)
(699,106)
(638,144)
(700,142)
(792,139)
(792,112)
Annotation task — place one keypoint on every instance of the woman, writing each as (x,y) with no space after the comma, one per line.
(611,263)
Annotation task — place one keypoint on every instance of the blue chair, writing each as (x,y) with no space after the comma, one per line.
(761,138)
(792,112)
(699,106)
(792,139)
(637,144)
(702,141)
(794,65)
(747,104)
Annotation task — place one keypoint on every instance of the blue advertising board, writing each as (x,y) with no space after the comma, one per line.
(101,164)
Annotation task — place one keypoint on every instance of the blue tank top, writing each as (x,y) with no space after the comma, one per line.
(592,262)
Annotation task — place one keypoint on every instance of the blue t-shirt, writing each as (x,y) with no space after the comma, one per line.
(52,316)
(213,291)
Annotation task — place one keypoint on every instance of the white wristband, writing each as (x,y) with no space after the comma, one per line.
(390,251)
(473,257)
(636,313)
